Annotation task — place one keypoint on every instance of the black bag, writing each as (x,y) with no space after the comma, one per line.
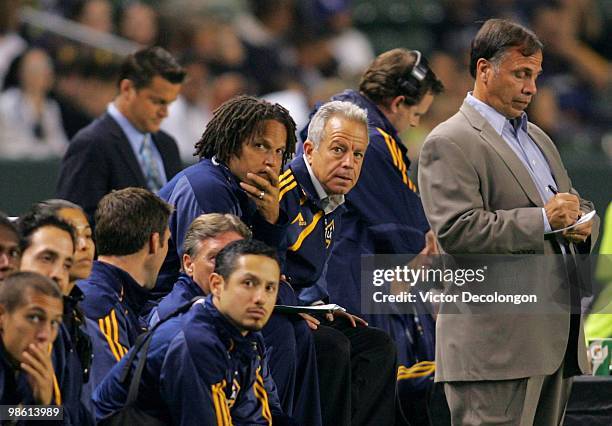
(130,414)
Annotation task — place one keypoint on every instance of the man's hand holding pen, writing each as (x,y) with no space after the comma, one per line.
(563,210)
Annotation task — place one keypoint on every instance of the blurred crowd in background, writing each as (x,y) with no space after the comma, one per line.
(56,77)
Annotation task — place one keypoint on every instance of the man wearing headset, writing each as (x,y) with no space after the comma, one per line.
(384,213)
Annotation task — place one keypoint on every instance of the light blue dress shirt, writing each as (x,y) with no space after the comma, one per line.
(514,132)
(136,139)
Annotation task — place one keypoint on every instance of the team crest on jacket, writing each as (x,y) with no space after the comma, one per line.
(329,231)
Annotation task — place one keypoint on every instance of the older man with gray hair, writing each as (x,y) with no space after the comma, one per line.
(356,363)
(207,235)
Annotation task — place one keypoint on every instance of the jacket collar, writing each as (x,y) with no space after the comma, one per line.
(302,175)
(71,301)
(127,289)
(298,167)
(229,334)
(7,361)
(246,204)
(376,118)
(189,285)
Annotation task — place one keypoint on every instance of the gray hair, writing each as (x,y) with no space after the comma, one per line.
(350,111)
(209,226)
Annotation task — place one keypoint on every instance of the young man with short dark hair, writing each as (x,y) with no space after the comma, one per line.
(207,366)
(72,349)
(132,242)
(30,317)
(47,246)
(125,147)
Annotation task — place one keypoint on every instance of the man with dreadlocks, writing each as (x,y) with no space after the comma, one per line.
(241,153)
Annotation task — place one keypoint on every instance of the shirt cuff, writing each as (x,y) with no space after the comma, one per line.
(547,227)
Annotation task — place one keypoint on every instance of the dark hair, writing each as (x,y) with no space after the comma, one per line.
(9,224)
(225,261)
(38,217)
(13,289)
(125,219)
(498,35)
(53,206)
(237,120)
(391,74)
(141,67)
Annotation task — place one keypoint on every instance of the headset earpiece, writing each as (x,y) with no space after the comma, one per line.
(411,84)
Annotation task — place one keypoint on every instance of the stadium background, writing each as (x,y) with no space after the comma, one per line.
(298,52)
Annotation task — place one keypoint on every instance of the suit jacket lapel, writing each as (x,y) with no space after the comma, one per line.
(504,151)
(125,150)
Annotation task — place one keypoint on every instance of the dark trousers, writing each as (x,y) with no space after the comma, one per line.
(293,366)
(293,363)
(357,371)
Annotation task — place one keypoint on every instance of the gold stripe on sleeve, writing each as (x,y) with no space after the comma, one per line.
(389,146)
(104,324)
(122,349)
(284,175)
(286,189)
(56,391)
(262,396)
(220,404)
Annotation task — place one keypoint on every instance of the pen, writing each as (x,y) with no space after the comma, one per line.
(554,191)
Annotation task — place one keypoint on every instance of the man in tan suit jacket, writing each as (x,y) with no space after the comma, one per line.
(489,181)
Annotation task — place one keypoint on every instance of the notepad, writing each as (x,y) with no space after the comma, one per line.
(584,219)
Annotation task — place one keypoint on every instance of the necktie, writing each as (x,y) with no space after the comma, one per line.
(516,124)
(150,166)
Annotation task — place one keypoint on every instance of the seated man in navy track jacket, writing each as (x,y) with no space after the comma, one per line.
(205,238)
(50,247)
(132,242)
(241,154)
(30,317)
(356,363)
(206,366)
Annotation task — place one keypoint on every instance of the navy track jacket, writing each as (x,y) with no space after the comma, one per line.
(200,370)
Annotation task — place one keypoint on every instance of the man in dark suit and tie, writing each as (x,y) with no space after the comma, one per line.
(124,147)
